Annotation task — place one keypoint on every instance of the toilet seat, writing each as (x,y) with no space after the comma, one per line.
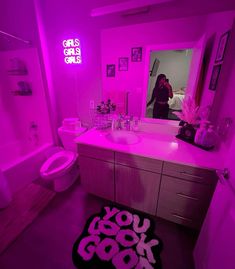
(58,164)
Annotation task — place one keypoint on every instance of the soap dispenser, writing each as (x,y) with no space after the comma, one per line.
(200,134)
(210,137)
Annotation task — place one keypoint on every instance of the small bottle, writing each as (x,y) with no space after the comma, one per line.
(114,122)
(33,133)
(210,137)
(199,137)
(113,126)
(135,126)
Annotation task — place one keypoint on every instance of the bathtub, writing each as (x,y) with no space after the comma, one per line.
(21,165)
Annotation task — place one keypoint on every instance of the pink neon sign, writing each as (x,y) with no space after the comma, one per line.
(72,51)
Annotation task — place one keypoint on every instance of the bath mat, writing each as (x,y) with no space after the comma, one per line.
(117,238)
(24,208)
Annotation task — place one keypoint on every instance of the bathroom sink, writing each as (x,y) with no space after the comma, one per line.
(123,137)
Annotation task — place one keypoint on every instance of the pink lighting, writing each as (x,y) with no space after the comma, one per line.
(72,51)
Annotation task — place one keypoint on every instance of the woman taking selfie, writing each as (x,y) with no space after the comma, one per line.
(161,94)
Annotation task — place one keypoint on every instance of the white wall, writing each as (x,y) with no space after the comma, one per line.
(224,101)
(217,24)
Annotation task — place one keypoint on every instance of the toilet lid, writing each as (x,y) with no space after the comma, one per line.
(58,162)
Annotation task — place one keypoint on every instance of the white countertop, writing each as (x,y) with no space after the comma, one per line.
(161,146)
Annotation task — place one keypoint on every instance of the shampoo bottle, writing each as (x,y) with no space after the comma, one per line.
(200,134)
(209,138)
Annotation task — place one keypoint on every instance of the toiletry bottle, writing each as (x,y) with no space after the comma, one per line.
(200,134)
(114,122)
(210,137)
(33,133)
(135,126)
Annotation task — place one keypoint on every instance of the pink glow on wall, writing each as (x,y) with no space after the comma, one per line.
(72,51)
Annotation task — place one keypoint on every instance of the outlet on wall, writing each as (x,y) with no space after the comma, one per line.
(92,104)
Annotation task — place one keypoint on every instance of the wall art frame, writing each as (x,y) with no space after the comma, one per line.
(110,70)
(123,63)
(136,54)
(214,77)
(222,47)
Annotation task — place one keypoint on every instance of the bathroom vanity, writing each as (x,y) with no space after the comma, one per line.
(158,174)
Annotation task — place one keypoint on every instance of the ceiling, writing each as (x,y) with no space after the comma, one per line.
(164,10)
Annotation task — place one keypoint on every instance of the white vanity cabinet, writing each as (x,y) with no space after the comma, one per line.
(185,194)
(97,171)
(137,182)
(178,193)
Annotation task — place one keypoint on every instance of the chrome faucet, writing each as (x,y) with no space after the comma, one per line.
(127,123)
(119,122)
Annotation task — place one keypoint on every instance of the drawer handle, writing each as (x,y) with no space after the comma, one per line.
(187,174)
(187,196)
(182,218)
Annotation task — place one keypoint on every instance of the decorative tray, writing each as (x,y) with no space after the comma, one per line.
(192,142)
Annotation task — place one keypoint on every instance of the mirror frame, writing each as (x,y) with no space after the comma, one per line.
(155,47)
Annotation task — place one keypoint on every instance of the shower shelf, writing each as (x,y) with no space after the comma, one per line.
(17,72)
(22,93)
(24,89)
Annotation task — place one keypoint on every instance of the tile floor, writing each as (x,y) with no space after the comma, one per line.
(47,242)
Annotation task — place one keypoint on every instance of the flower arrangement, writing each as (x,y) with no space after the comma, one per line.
(190,112)
(106,108)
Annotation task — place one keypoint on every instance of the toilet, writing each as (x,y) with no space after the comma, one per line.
(62,165)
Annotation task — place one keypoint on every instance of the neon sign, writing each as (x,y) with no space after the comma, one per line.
(72,51)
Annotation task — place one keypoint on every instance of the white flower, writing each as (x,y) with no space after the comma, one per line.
(190,112)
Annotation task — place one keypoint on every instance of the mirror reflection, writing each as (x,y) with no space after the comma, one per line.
(168,77)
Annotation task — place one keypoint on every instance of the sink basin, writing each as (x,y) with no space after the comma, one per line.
(123,137)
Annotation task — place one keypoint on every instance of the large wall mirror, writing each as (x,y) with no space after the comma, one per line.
(131,87)
(170,76)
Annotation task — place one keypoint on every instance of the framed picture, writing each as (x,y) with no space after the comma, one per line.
(110,70)
(123,64)
(221,48)
(136,54)
(214,77)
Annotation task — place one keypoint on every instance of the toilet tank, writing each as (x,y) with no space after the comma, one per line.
(67,137)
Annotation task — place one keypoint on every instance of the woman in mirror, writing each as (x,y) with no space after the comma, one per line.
(161,94)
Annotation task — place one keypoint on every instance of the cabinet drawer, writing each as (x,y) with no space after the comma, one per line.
(96,153)
(137,188)
(183,202)
(139,162)
(192,191)
(97,177)
(179,218)
(190,173)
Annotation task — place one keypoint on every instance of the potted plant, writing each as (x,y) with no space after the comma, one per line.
(103,112)
(189,119)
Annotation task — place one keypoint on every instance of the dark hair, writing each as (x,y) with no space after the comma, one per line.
(159,77)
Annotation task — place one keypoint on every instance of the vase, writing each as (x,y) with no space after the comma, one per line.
(187,131)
